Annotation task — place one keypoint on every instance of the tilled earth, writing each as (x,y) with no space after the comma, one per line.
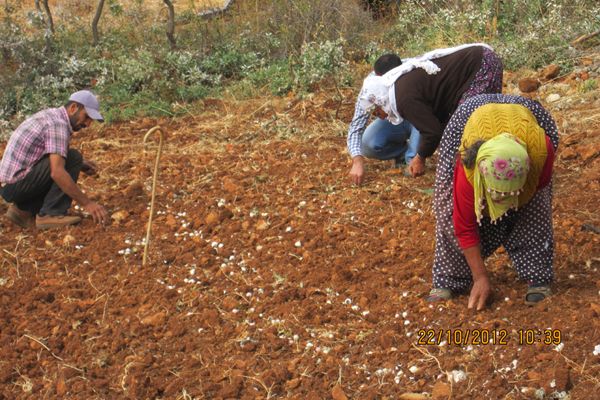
(270,276)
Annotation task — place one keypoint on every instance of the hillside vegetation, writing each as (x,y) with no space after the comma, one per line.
(255,48)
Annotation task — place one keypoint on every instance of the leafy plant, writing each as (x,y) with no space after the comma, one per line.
(277,76)
(588,85)
(320,60)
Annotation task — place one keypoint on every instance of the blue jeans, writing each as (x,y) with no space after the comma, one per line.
(383,140)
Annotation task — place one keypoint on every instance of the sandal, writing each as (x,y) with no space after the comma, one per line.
(535,294)
(439,294)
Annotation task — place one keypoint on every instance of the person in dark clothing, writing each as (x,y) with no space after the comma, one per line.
(426,90)
(38,171)
(379,139)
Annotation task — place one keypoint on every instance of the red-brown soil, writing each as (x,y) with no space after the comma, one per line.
(270,276)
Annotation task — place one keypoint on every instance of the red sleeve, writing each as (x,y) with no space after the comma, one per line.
(546,175)
(464,218)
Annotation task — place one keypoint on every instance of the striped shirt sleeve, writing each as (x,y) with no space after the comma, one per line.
(356,130)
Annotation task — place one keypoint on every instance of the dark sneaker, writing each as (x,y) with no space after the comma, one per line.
(22,218)
(439,294)
(55,221)
(535,294)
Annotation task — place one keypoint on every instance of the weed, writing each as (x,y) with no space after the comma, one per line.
(588,86)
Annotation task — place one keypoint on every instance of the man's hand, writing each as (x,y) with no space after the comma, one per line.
(357,173)
(89,168)
(480,292)
(97,212)
(416,166)
(69,187)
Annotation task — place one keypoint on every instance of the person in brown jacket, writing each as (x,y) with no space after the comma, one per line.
(426,90)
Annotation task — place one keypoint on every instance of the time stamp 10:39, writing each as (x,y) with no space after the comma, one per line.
(465,337)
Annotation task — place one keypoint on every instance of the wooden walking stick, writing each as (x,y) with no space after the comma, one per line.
(154,178)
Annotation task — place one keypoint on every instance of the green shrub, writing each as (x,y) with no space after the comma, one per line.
(319,61)
(273,46)
(526,33)
(135,72)
(277,77)
(230,61)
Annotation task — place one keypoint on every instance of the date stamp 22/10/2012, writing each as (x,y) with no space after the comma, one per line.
(479,337)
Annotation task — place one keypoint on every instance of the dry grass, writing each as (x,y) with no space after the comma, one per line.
(180,5)
(88,8)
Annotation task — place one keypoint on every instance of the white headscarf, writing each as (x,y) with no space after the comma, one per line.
(380,91)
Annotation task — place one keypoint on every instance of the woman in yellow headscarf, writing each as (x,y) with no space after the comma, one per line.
(493,187)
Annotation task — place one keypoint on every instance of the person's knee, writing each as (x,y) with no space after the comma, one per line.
(370,147)
(374,140)
(74,160)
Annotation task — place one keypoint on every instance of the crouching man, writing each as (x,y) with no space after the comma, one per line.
(38,171)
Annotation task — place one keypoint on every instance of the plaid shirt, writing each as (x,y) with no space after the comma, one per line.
(47,132)
(357,128)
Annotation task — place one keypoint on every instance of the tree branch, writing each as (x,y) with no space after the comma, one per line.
(171,24)
(49,22)
(95,22)
(584,38)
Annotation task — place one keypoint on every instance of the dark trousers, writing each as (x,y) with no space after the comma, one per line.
(37,192)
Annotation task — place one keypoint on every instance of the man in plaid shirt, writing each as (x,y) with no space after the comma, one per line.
(38,171)
(381,140)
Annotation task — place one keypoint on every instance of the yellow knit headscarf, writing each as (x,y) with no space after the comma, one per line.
(491,120)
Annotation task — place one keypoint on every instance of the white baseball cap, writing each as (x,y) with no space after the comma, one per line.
(89,101)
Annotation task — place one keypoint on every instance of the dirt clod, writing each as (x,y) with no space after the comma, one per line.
(528,85)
